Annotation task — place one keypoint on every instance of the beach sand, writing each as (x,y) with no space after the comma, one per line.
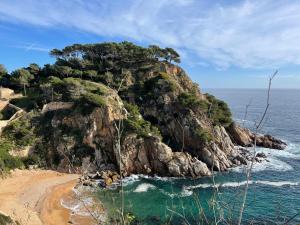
(33,197)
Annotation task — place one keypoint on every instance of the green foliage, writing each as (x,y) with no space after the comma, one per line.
(3,71)
(20,132)
(8,162)
(64,71)
(26,103)
(111,56)
(21,77)
(219,111)
(76,73)
(31,160)
(135,123)
(156,82)
(75,89)
(203,135)
(94,99)
(55,81)
(5,220)
(34,69)
(172,55)
(92,74)
(190,100)
(7,113)
(3,74)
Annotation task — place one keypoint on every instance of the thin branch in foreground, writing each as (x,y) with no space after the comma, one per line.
(257,127)
(246,111)
(180,215)
(291,218)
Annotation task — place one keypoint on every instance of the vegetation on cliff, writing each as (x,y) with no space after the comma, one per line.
(158,97)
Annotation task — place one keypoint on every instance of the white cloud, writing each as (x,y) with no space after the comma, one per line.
(32,47)
(247,34)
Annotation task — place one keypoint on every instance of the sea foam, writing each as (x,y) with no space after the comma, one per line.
(144,187)
(242,183)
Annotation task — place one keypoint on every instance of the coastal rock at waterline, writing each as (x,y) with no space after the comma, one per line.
(261,155)
(151,156)
(268,141)
(244,137)
(191,144)
(108,177)
(239,135)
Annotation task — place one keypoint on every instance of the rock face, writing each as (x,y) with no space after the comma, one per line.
(151,156)
(193,142)
(244,137)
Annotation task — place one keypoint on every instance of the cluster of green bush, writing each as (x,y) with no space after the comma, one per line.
(74,89)
(7,161)
(6,220)
(20,132)
(203,135)
(219,111)
(17,135)
(135,123)
(148,86)
(190,100)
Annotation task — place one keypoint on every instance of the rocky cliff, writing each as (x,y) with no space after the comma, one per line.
(189,142)
(135,112)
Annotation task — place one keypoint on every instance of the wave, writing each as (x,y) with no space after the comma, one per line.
(78,207)
(144,187)
(131,179)
(138,177)
(275,159)
(242,183)
(272,164)
(278,183)
(294,149)
(84,204)
(184,193)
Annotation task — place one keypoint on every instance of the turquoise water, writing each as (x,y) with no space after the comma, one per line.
(274,192)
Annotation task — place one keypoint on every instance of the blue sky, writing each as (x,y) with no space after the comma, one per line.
(223,44)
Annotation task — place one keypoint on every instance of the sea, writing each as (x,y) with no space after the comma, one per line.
(274,188)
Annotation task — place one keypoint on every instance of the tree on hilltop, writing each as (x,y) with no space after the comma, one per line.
(21,77)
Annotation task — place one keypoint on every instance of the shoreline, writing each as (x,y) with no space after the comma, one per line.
(34,197)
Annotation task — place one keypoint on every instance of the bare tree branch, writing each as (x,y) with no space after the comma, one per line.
(257,127)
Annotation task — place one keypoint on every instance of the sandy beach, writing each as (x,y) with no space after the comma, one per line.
(33,197)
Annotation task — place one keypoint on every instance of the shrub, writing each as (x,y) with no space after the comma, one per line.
(135,123)
(150,84)
(219,111)
(94,99)
(31,160)
(5,220)
(190,100)
(7,161)
(75,89)
(203,135)
(27,103)
(55,81)
(20,132)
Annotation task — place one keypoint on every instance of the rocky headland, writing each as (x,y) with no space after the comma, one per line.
(124,108)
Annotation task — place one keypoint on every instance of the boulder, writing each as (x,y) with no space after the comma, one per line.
(261,155)
(244,137)
(158,158)
(239,135)
(108,181)
(267,141)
